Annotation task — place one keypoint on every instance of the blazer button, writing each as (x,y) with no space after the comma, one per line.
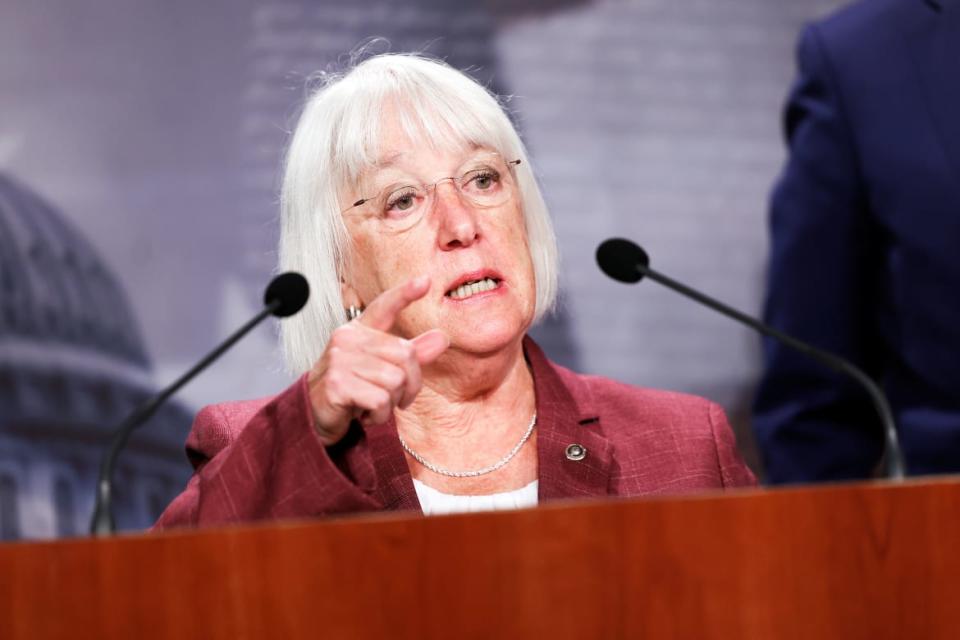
(576,452)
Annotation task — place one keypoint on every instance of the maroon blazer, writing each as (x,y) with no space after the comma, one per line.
(261,459)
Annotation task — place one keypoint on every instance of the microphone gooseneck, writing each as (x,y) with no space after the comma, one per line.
(285,295)
(625,261)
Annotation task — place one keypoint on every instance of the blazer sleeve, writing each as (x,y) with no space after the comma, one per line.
(734,472)
(810,423)
(274,467)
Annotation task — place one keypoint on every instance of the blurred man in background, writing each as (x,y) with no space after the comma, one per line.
(865,261)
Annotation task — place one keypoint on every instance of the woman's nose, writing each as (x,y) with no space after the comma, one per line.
(458,221)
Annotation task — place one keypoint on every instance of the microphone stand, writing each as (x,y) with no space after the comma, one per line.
(103,523)
(893,465)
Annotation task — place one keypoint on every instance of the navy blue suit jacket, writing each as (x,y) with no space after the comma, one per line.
(865,260)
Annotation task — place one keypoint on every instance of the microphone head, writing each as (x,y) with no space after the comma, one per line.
(291,290)
(618,258)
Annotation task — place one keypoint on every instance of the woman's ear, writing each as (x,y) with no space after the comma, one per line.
(350,297)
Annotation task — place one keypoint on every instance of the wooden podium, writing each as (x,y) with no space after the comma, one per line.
(849,561)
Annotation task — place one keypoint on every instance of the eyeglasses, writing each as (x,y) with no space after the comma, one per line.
(489,182)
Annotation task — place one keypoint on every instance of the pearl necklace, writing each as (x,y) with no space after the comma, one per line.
(470,474)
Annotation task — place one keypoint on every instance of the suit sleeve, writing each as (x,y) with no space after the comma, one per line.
(276,467)
(812,424)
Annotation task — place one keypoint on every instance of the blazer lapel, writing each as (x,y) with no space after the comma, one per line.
(394,483)
(566,420)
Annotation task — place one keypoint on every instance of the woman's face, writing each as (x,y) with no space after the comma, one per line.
(455,242)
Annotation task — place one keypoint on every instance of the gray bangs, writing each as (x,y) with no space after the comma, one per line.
(443,114)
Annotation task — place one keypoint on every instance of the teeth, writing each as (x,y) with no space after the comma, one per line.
(472,288)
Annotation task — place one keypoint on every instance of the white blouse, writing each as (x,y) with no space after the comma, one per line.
(434,502)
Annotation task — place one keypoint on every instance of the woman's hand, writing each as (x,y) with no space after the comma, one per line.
(365,371)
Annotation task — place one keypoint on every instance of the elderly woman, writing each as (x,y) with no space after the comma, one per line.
(410,204)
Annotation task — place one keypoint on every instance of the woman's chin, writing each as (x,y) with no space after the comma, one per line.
(485,337)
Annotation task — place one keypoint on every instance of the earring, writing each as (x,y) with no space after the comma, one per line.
(353,312)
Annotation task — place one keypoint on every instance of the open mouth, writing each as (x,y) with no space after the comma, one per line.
(473,287)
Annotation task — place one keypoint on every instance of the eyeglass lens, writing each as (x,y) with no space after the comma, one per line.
(488,183)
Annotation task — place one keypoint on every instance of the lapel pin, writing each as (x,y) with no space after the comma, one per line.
(576,452)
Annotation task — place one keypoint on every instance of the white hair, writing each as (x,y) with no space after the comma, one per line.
(336,139)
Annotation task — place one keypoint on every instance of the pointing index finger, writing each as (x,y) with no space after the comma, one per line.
(382,313)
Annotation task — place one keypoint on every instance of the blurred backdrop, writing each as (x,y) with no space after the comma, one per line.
(140,145)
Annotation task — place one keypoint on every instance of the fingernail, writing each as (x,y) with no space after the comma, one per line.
(420,281)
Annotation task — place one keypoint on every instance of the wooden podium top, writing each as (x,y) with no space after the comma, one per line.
(847,561)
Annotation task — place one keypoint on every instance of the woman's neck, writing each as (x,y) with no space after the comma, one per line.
(466,397)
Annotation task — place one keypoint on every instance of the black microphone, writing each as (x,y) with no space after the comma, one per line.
(625,261)
(285,295)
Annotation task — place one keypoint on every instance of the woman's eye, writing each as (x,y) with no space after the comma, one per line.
(485,180)
(401,202)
